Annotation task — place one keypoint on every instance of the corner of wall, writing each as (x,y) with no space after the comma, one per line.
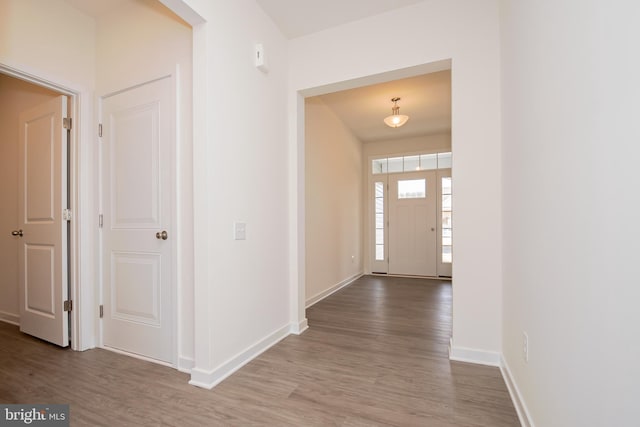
(210,378)
(473,355)
(518,402)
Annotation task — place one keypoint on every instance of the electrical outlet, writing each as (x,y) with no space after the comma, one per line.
(525,346)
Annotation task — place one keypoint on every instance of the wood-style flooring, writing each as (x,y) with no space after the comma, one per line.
(375,355)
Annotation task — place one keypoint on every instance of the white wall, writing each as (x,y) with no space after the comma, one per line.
(571,202)
(240,174)
(48,38)
(15,96)
(34,42)
(467,32)
(334,201)
(138,42)
(415,145)
(424,144)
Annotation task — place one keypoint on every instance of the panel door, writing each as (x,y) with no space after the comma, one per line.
(42,196)
(412,224)
(137,149)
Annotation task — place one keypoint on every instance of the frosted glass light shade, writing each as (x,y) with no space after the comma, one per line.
(396,120)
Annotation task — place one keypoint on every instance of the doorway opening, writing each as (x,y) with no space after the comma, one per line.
(39,186)
(343,132)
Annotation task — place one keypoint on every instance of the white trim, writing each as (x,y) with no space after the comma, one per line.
(184,11)
(299,328)
(13,319)
(516,397)
(472,355)
(335,288)
(185,364)
(209,379)
(79,112)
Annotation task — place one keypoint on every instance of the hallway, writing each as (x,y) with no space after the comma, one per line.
(375,355)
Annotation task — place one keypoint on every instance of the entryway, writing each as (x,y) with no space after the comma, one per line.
(412,224)
(36,132)
(410,202)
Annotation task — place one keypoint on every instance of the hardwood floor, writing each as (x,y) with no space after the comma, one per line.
(375,355)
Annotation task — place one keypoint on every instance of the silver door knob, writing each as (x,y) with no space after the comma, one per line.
(17,233)
(162,235)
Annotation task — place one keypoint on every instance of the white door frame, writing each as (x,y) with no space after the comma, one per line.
(75,97)
(297,239)
(369,219)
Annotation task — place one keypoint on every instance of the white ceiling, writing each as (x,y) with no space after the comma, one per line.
(297,18)
(425,99)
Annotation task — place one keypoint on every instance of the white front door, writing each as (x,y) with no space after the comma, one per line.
(138,239)
(42,197)
(413,223)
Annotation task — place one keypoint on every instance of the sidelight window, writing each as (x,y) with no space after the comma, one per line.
(379,209)
(447,226)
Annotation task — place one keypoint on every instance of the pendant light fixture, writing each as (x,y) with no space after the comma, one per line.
(395,120)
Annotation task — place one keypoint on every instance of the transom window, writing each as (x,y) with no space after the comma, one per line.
(420,162)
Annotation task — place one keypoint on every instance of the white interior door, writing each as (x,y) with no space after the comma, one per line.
(137,184)
(413,223)
(42,190)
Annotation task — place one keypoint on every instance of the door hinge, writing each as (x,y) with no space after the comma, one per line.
(66,123)
(68,305)
(100,221)
(66,214)
(100,130)
(101,311)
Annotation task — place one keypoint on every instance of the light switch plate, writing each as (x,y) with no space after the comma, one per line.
(260,60)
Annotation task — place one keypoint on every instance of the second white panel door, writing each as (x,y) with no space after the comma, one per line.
(137,184)
(412,223)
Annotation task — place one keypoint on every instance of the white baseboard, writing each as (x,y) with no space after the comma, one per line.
(335,288)
(472,355)
(185,364)
(210,378)
(516,397)
(299,328)
(9,318)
